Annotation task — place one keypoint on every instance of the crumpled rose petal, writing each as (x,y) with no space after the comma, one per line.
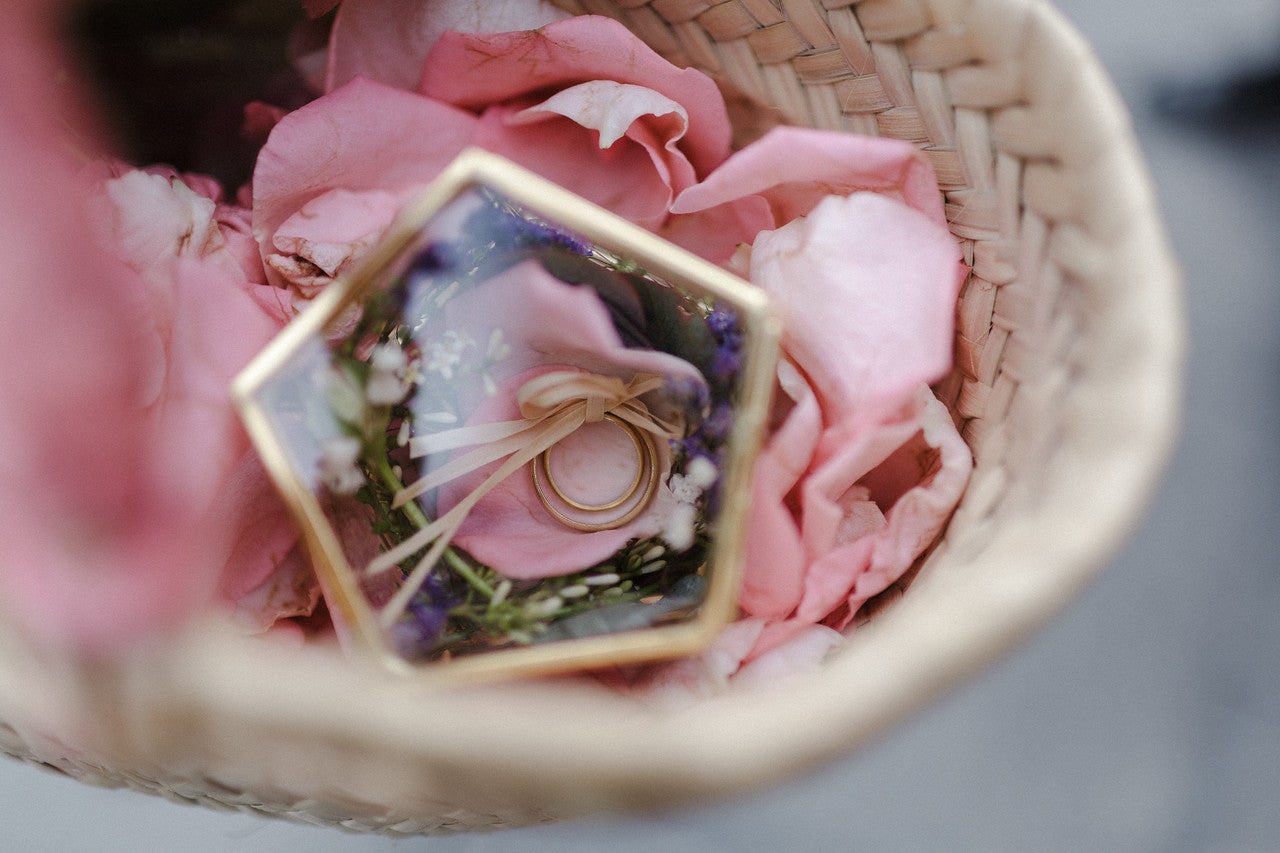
(622,180)
(910,470)
(547,324)
(387,40)
(365,136)
(327,233)
(773,580)
(805,652)
(645,118)
(475,71)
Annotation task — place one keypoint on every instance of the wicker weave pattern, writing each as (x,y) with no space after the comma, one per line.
(1068,354)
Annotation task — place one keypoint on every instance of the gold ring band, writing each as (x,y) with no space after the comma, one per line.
(647,473)
(544,461)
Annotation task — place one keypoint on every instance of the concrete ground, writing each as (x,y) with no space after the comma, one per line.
(1146,718)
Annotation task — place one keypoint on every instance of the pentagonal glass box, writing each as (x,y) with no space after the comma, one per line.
(518,438)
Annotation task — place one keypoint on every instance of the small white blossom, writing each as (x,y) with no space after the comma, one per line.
(687,488)
(444,356)
(702,472)
(498,348)
(343,394)
(338,470)
(679,529)
(387,383)
(543,609)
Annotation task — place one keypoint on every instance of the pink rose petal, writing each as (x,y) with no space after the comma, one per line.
(718,232)
(387,40)
(796,168)
(932,458)
(805,652)
(773,571)
(866,290)
(475,71)
(364,136)
(622,179)
(329,232)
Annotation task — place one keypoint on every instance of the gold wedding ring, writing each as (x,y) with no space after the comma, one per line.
(646,478)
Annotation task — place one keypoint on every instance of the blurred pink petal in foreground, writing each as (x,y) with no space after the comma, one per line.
(387,40)
(114,365)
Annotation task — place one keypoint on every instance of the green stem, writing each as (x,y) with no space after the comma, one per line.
(419,518)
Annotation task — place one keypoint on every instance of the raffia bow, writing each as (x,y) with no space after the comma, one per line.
(554,406)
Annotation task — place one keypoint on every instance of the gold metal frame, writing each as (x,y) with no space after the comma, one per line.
(700,278)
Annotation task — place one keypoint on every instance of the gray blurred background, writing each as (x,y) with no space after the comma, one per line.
(1147,717)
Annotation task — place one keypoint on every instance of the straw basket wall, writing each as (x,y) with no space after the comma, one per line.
(1068,355)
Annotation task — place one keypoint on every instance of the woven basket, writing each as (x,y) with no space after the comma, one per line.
(1067,383)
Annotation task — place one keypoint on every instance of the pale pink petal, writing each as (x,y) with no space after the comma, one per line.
(690,680)
(236,226)
(617,110)
(803,653)
(795,168)
(851,451)
(387,40)
(149,218)
(216,330)
(364,136)
(289,590)
(917,518)
(866,290)
(773,571)
(262,529)
(474,71)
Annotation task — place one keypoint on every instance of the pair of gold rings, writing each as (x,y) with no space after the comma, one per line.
(626,506)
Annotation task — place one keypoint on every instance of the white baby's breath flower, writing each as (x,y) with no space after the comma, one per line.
(687,488)
(338,470)
(444,356)
(679,529)
(702,472)
(498,349)
(387,383)
(342,392)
